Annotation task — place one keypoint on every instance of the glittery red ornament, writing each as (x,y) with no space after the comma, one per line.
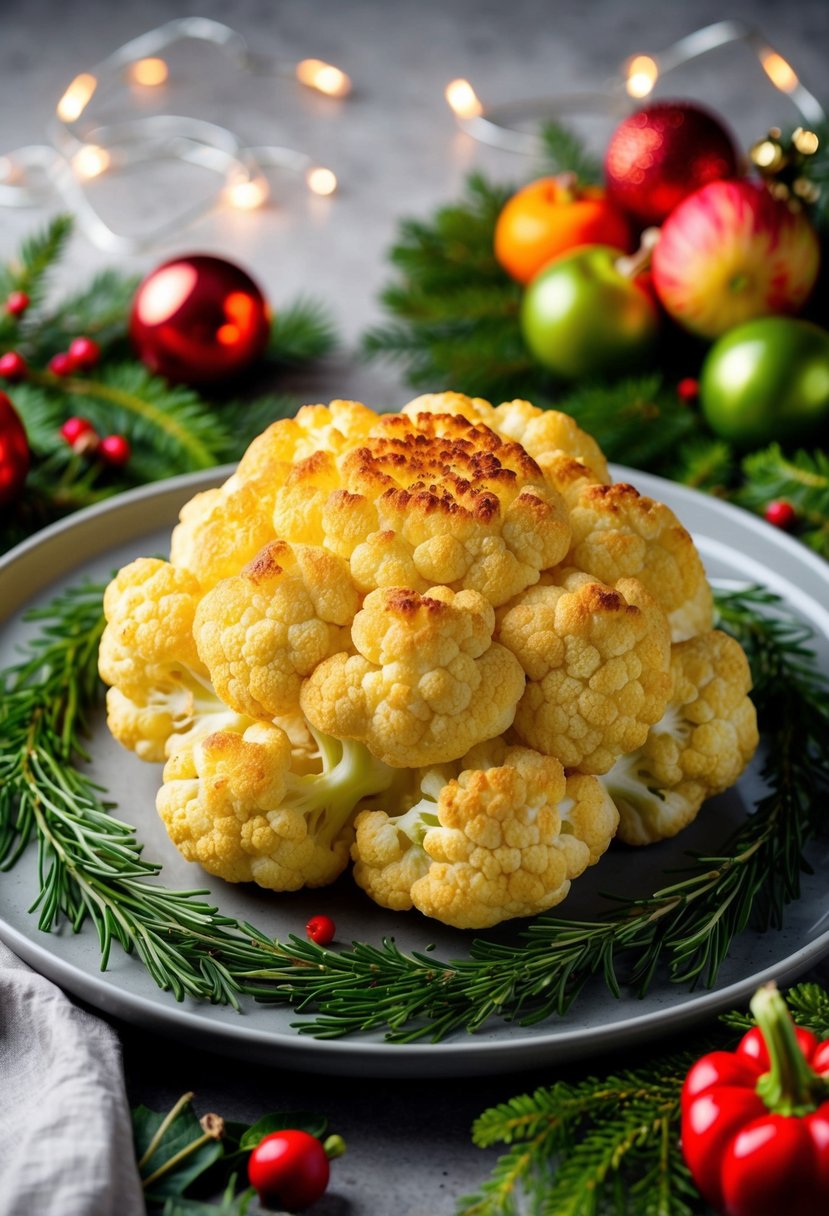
(662,153)
(14,452)
(199,319)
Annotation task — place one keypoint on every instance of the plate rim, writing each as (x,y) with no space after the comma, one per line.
(353,1055)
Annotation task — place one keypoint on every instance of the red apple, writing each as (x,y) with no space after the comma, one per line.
(729,253)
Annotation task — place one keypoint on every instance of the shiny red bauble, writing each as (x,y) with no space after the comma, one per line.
(14,452)
(199,319)
(662,153)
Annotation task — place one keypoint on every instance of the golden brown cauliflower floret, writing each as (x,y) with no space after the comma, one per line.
(620,533)
(699,747)
(427,682)
(221,529)
(546,433)
(474,409)
(315,428)
(260,633)
(234,803)
(504,839)
(160,689)
(468,509)
(597,661)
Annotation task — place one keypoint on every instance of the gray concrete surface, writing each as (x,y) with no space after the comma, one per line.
(397,152)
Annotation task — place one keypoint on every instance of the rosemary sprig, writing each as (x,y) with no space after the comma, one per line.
(91,868)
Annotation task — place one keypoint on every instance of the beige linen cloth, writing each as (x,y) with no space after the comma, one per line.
(65,1134)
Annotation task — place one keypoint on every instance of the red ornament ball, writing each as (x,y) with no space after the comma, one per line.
(61,364)
(80,434)
(14,452)
(664,152)
(199,319)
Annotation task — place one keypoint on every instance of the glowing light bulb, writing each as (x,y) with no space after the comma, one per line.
(77,97)
(642,75)
(247,195)
(781,73)
(321,180)
(323,77)
(91,161)
(149,72)
(463,99)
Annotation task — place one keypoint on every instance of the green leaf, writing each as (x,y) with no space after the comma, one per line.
(230,1204)
(300,1120)
(160,1139)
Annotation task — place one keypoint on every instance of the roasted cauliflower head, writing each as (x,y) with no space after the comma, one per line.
(440,644)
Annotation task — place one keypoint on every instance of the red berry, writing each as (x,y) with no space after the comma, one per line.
(79,433)
(688,389)
(17,303)
(780,513)
(84,352)
(114,450)
(62,364)
(12,366)
(321,929)
(289,1169)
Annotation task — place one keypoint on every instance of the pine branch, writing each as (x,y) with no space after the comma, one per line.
(99,310)
(564,152)
(638,422)
(801,479)
(302,332)
(28,272)
(608,1144)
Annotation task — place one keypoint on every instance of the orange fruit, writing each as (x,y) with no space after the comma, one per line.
(551,216)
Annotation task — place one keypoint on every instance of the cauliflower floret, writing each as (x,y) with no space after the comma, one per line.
(160,689)
(315,428)
(427,682)
(699,747)
(474,409)
(504,839)
(234,803)
(468,509)
(545,433)
(619,533)
(261,632)
(201,540)
(597,661)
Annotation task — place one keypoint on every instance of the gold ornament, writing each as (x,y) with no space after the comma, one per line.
(781,161)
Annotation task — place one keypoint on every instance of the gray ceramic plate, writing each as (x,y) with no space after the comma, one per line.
(734,545)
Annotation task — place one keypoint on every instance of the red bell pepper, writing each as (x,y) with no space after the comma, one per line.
(755,1121)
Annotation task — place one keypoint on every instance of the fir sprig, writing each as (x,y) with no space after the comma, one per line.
(91,866)
(801,479)
(608,1144)
(171,429)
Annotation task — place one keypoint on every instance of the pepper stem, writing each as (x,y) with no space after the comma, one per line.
(791,1086)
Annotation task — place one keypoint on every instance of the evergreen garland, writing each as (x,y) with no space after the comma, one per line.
(453,324)
(171,429)
(608,1144)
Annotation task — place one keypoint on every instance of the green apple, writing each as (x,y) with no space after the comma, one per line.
(583,317)
(767,381)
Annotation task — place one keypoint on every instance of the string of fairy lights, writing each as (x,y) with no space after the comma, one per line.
(501,126)
(82,149)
